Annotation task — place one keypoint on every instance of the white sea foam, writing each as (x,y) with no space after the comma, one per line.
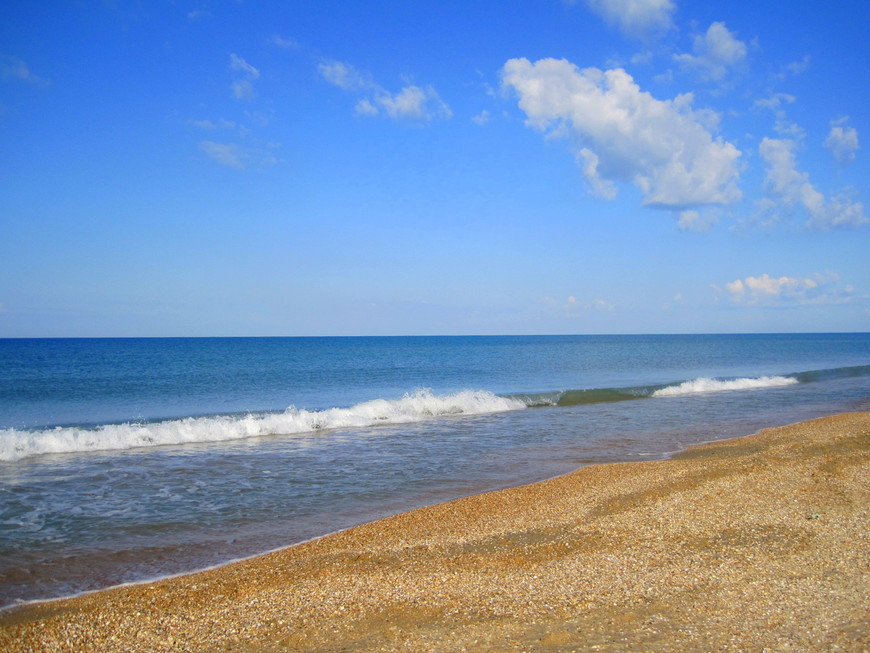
(413,407)
(697,386)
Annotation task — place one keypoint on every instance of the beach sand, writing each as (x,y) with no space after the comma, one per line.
(756,543)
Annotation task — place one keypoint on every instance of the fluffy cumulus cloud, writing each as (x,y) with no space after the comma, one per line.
(716,52)
(622,134)
(842,141)
(636,18)
(788,188)
(766,290)
(412,102)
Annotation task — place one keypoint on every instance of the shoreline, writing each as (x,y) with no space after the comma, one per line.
(752,542)
(640,457)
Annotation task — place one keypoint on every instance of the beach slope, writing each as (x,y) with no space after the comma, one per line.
(753,543)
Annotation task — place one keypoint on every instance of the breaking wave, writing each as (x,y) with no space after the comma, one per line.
(703,385)
(413,407)
(417,406)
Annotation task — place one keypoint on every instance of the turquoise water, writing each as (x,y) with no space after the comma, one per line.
(126,459)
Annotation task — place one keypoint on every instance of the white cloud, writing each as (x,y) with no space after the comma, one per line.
(412,102)
(602,305)
(715,53)
(782,124)
(227,154)
(344,76)
(281,42)
(365,108)
(239,156)
(573,307)
(415,103)
(624,134)
(588,161)
(788,187)
(11,67)
(699,221)
(775,101)
(688,219)
(481,118)
(842,142)
(259,118)
(767,290)
(239,64)
(242,86)
(242,89)
(674,303)
(635,18)
(211,125)
(796,67)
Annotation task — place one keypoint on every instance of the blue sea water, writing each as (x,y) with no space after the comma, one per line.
(128,459)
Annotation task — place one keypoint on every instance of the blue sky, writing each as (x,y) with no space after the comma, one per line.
(327,168)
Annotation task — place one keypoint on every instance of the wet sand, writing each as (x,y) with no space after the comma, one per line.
(756,543)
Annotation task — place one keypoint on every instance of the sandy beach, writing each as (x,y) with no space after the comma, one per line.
(757,543)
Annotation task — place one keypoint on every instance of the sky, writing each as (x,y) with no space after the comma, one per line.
(282,168)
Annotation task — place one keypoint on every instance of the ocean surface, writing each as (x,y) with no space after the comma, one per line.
(129,459)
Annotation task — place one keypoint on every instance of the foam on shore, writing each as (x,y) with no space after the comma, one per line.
(413,407)
(727,546)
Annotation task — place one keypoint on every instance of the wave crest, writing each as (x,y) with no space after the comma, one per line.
(413,407)
(702,385)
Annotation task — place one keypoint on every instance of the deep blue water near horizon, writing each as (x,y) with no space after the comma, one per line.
(127,459)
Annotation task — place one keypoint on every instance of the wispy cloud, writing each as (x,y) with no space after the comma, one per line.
(699,221)
(239,64)
(198,14)
(14,68)
(481,118)
(244,73)
(623,134)
(788,188)
(572,307)
(795,68)
(239,156)
(776,103)
(411,102)
(283,42)
(233,143)
(636,18)
(212,125)
(227,154)
(345,76)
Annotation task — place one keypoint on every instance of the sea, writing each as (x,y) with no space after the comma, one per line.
(124,460)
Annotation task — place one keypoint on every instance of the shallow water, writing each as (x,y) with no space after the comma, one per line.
(500,412)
